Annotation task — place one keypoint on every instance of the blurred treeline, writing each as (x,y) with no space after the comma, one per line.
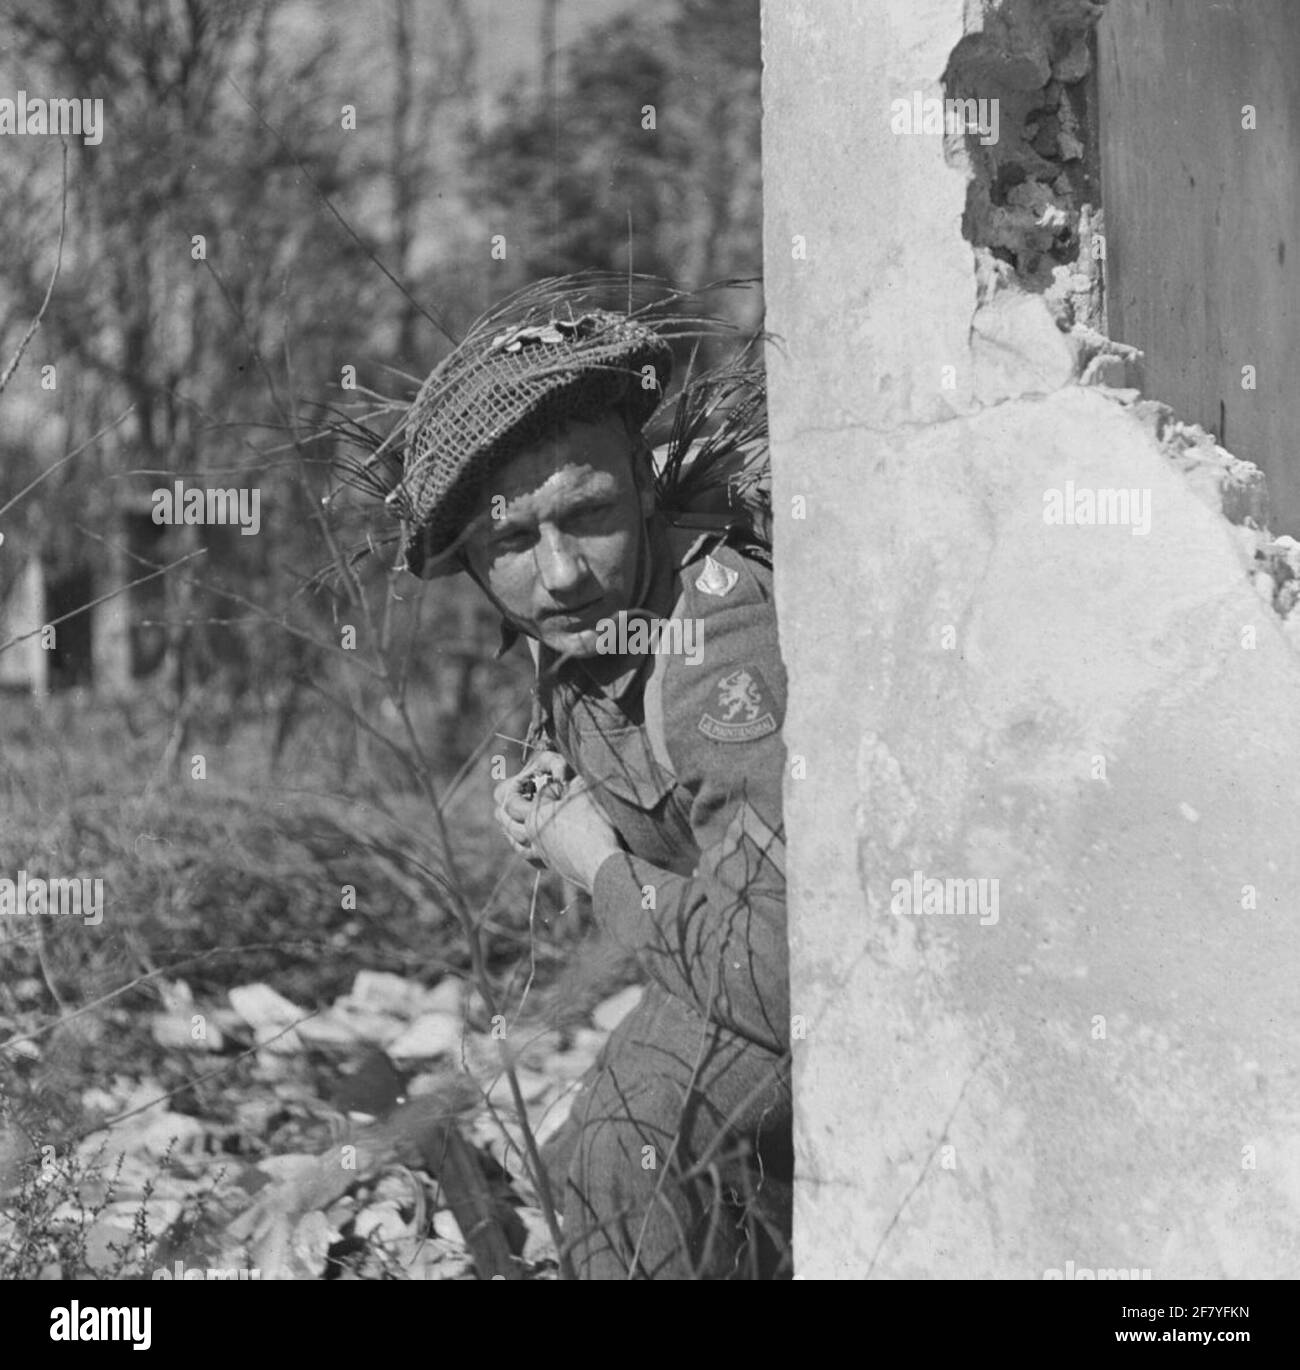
(221,271)
(231,249)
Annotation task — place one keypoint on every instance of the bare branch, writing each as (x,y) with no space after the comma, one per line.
(63,461)
(347,227)
(103,599)
(49,289)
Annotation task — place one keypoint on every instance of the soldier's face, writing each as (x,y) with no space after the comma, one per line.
(559,532)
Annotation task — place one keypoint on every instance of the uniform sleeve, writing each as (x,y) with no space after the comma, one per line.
(718,936)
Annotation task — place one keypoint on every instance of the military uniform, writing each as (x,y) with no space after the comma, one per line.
(679,1144)
(678,1152)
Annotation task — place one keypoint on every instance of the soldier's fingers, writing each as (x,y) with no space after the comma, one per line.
(518,839)
(515,784)
(517,808)
(503,818)
(552,764)
(512,825)
(541,813)
(510,819)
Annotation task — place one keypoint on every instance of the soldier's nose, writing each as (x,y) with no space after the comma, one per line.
(560,563)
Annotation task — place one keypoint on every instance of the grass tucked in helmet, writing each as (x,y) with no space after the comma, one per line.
(549,355)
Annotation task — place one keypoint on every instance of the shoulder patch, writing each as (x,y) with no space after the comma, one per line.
(716,579)
(742,708)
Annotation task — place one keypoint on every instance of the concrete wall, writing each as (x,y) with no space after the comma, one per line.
(1203,216)
(1103,721)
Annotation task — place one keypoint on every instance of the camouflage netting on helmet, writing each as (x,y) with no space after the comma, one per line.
(561,350)
(489,399)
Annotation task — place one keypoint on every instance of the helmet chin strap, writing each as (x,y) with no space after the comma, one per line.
(644,571)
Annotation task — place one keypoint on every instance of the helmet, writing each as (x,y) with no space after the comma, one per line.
(491,398)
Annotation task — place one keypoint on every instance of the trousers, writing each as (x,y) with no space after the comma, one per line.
(677,1159)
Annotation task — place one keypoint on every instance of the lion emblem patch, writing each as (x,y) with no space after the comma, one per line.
(742,708)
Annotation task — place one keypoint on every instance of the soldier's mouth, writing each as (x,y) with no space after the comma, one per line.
(578,614)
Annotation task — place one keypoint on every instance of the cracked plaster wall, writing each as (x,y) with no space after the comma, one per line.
(1106,1074)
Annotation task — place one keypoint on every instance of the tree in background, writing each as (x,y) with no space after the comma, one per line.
(270,171)
(655,121)
(208,284)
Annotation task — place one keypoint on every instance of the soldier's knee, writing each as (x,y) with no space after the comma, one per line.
(629,1128)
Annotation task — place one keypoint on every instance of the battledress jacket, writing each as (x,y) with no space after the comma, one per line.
(683,751)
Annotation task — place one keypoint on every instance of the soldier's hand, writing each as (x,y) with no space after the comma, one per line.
(571,834)
(515,797)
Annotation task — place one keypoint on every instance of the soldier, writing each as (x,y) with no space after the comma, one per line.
(661,693)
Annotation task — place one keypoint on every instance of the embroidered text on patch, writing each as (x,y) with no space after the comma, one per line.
(742,709)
